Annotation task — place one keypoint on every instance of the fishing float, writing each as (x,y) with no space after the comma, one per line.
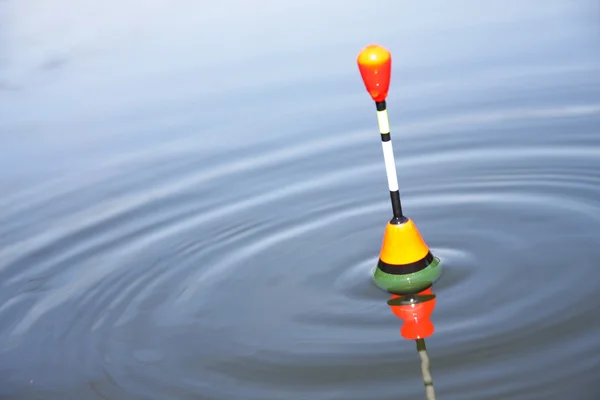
(406,267)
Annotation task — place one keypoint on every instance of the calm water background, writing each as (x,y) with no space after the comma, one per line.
(193,198)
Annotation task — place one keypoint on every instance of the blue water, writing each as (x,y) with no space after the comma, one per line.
(194,196)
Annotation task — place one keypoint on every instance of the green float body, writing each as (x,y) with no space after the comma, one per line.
(409,283)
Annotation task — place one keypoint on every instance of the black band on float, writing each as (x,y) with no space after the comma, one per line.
(404,269)
(380,105)
(396,205)
(398,221)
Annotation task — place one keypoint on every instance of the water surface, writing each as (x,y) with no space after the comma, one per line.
(193,199)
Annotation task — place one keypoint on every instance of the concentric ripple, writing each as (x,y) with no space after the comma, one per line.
(184,271)
(184,287)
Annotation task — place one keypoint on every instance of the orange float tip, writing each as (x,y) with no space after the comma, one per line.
(375,64)
(416,317)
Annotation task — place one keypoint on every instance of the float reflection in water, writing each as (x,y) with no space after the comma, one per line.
(415,311)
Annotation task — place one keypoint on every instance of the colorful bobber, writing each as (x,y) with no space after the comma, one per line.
(406,266)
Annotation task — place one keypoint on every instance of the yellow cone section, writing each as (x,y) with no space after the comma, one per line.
(402,244)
